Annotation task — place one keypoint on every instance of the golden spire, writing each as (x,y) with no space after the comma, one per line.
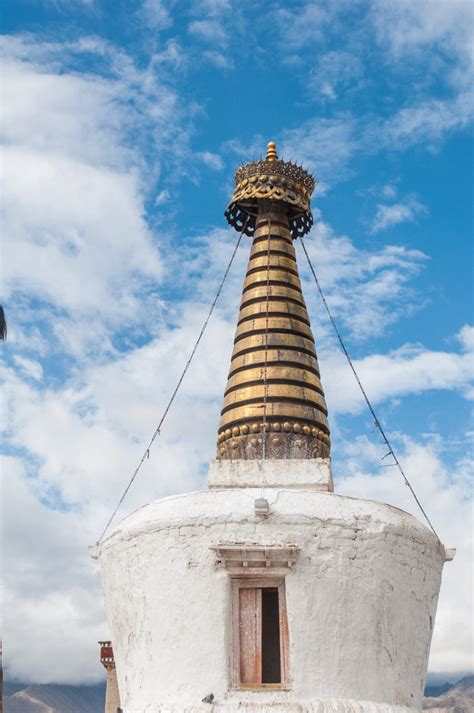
(274,403)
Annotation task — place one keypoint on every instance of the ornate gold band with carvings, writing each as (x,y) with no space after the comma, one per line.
(275,180)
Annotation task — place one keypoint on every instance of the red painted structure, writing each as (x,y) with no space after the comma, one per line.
(106,654)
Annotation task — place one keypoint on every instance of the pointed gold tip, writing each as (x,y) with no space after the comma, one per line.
(271,151)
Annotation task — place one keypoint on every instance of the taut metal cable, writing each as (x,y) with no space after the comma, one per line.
(146,454)
(377,423)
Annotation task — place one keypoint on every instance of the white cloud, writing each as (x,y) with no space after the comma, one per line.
(51,586)
(45,81)
(210,31)
(408,27)
(215,7)
(334,72)
(396,213)
(248,150)
(425,44)
(466,338)
(218,59)
(426,122)
(162,197)
(301,27)
(156,14)
(172,56)
(366,290)
(217,24)
(66,221)
(212,160)
(410,369)
(30,368)
(75,238)
(389,191)
(435,39)
(326,147)
(60,113)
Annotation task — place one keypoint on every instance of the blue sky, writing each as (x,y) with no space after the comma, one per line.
(123,123)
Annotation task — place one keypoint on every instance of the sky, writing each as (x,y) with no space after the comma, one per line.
(123,123)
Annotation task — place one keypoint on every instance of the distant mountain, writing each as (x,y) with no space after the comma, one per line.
(438,690)
(53,698)
(457,699)
(10,688)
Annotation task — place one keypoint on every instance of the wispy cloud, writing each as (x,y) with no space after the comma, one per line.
(465,337)
(389,215)
(368,290)
(425,123)
(410,27)
(329,147)
(211,160)
(326,147)
(410,369)
(156,14)
(334,72)
(300,27)
(210,31)
(29,367)
(422,45)
(218,59)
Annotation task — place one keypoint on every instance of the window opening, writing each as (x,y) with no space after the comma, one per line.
(271,664)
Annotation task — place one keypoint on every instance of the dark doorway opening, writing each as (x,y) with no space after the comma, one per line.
(271,662)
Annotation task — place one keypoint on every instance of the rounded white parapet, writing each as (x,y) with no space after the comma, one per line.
(361,583)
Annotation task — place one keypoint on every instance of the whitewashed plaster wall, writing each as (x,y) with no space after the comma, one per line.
(361,602)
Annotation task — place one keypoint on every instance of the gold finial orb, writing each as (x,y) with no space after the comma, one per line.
(271,151)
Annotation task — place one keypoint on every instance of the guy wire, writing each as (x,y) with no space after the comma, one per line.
(376,420)
(146,454)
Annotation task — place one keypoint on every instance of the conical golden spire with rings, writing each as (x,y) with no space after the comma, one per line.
(274,405)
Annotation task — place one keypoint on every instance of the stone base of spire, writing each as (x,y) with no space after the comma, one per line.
(296,474)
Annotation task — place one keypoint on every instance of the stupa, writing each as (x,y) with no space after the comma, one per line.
(268,591)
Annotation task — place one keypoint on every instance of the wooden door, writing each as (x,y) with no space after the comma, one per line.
(247,668)
(250,635)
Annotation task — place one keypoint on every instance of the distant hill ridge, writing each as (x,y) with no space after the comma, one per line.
(55,698)
(456,699)
(438,690)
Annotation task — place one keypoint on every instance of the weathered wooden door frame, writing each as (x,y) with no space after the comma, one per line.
(238,583)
